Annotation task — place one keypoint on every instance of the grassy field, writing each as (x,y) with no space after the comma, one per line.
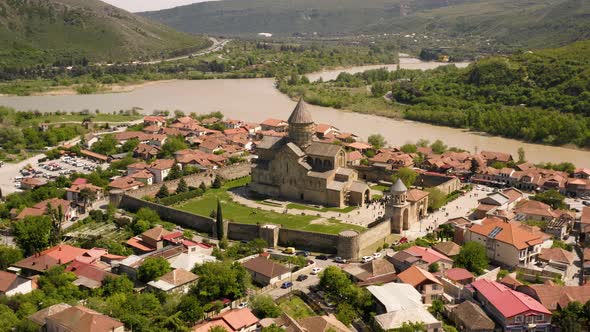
(380,187)
(241,214)
(52,118)
(309,207)
(296,308)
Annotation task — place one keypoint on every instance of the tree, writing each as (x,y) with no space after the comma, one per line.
(57,218)
(411,327)
(9,256)
(8,319)
(438,147)
(217,328)
(377,141)
(107,145)
(219,222)
(473,257)
(120,284)
(32,234)
(172,145)
(273,327)
(521,155)
(153,268)
(432,268)
(140,226)
(551,197)
(163,192)
(346,313)
(148,215)
(175,173)
(265,307)
(220,280)
(436,198)
(86,195)
(409,148)
(571,318)
(182,186)
(446,232)
(437,307)
(190,309)
(203,186)
(216,183)
(407,175)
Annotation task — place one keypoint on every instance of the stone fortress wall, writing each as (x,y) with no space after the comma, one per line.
(348,244)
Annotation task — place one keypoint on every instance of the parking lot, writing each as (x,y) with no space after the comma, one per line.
(51,169)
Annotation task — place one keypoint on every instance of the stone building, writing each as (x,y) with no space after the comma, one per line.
(405,207)
(298,168)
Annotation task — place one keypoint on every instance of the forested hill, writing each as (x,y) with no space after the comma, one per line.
(45,31)
(526,23)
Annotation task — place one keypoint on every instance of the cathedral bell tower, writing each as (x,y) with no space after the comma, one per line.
(300,126)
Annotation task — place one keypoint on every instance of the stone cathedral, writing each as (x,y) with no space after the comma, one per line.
(298,168)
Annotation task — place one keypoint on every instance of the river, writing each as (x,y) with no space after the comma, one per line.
(257,99)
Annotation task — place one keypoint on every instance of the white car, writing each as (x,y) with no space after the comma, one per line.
(366,259)
(315,270)
(377,255)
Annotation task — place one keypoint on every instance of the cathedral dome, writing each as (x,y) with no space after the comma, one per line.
(300,114)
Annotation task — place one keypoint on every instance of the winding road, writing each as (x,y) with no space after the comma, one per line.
(217,46)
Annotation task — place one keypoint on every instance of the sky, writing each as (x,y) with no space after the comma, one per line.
(145,5)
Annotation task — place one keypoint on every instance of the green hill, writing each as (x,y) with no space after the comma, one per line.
(45,31)
(527,23)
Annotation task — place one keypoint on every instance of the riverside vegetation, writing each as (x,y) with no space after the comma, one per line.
(239,59)
(541,96)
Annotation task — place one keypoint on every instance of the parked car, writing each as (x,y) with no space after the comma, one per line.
(367,259)
(243,305)
(287,284)
(322,257)
(316,270)
(377,254)
(289,250)
(302,277)
(303,253)
(587,203)
(340,260)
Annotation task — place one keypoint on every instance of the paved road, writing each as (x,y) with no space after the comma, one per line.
(217,46)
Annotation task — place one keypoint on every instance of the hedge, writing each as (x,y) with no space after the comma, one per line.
(174,199)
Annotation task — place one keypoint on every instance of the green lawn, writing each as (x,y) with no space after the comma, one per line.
(296,308)
(80,117)
(238,213)
(380,187)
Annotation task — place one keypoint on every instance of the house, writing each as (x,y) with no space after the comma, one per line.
(39,317)
(447,248)
(360,146)
(196,254)
(425,282)
(81,319)
(469,317)
(236,320)
(73,194)
(322,131)
(40,209)
(150,240)
(459,276)
(421,257)
(491,157)
(144,176)
(533,210)
(31,183)
(13,284)
(326,323)
(125,183)
(124,136)
(396,304)
(512,310)
(274,125)
(146,151)
(586,266)
(59,255)
(154,121)
(90,276)
(554,296)
(175,281)
(377,271)
(265,271)
(557,260)
(505,200)
(354,158)
(90,139)
(157,139)
(585,225)
(160,168)
(508,243)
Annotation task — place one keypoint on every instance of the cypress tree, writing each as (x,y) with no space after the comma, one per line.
(219,219)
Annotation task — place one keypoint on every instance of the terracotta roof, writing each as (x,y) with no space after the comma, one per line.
(323,324)
(415,276)
(458,274)
(94,155)
(231,320)
(415,195)
(557,255)
(142,174)
(58,255)
(82,319)
(506,301)
(89,271)
(372,270)
(273,122)
(40,316)
(265,267)
(354,155)
(427,254)
(154,118)
(34,182)
(513,233)
(472,317)
(76,188)
(179,277)
(585,219)
(448,248)
(531,207)
(162,164)
(360,146)
(510,281)
(157,233)
(124,183)
(30,212)
(9,281)
(552,295)
(137,243)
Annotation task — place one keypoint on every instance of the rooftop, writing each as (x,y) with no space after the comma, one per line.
(300,114)
(265,267)
(507,301)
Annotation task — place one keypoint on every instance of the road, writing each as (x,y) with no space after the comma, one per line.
(218,45)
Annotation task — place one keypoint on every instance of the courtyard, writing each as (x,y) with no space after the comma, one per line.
(256,213)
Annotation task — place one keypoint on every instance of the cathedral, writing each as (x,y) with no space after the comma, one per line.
(298,168)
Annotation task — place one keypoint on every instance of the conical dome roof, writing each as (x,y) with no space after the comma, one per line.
(300,114)
(398,187)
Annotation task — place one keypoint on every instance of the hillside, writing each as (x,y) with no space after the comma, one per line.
(46,31)
(527,23)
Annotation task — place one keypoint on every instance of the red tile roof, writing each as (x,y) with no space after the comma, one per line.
(82,319)
(427,254)
(94,155)
(458,274)
(513,233)
(507,301)
(125,183)
(161,164)
(416,276)
(58,255)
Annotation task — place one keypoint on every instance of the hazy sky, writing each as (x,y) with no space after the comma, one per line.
(145,5)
